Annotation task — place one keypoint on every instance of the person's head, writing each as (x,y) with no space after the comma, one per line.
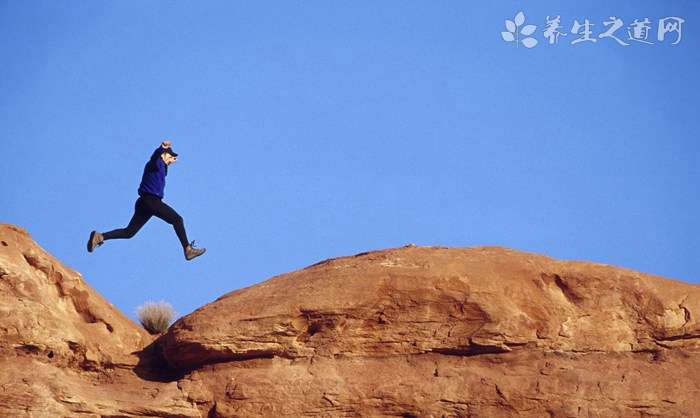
(169,156)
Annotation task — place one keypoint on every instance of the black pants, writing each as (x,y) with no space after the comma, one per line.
(145,207)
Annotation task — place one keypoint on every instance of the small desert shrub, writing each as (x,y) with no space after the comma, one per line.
(155,316)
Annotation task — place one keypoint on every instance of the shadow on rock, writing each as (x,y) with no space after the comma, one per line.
(152,365)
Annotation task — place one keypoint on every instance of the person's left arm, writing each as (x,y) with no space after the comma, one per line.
(160,150)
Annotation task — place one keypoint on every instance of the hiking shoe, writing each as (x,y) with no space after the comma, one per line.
(192,252)
(96,239)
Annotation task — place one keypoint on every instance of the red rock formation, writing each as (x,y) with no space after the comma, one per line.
(411,331)
(64,350)
(434,331)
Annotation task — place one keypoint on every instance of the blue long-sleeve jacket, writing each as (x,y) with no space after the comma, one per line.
(153,180)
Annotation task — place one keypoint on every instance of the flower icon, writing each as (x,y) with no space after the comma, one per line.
(515,28)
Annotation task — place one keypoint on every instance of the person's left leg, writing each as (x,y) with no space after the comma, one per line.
(138,220)
(169,215)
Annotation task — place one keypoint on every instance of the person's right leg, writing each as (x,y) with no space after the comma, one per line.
(169,215)
(138,220)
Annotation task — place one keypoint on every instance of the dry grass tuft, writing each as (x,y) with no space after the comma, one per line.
(156,316)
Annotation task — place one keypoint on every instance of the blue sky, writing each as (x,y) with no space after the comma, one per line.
(309,130)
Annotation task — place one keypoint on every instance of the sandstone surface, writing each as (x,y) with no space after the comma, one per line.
(410,332)
(434,331)
(64,350)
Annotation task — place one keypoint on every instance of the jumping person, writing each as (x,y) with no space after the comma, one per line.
(150,203)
